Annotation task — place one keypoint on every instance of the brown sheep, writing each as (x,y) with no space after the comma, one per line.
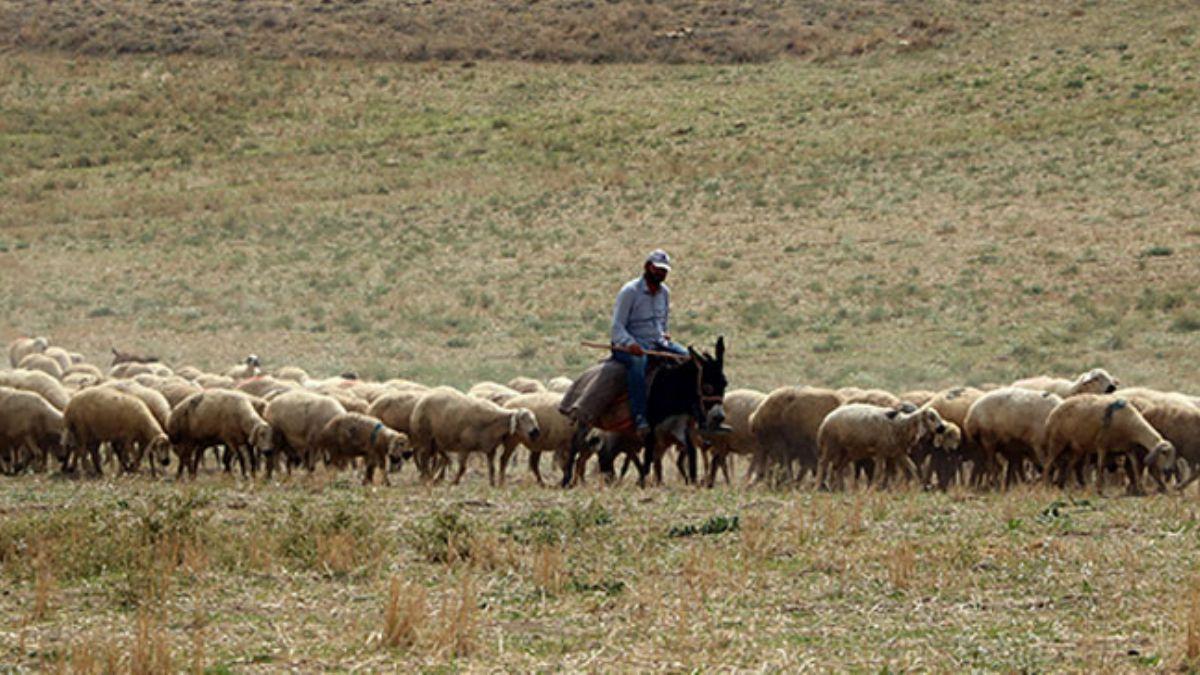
(264,385)
(1095,381)
(559,384)
(22,347)
(357,435)
(1179,423)
(60,355)
(446,421)
(861,431)
(555,431)
(211,381)
(292,374)
(1095,425)
(1009,423)
(879,397)
(952,404)
(105,415)
(189,373)
(918,397)
(785,425)
(84,369)
(251,367)
(1144,397)
(395,409)
(526,385)
(39,383)
(29,428)
(43,363)
(174,389)
(296,417)
(492,391)
(739,404)
(219,417)
(156,402)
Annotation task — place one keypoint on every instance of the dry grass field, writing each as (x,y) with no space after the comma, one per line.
(920,195)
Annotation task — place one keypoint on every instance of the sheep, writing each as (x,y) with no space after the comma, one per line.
(785,426)
(131,357)
(918,397)
(1097,425)
(29,426)
(211,381)
(189,372)
(1179,423)
(526,385)
(174,389)
(76,381)
(862,431)
(251,367)
(358,435)
(131,369)
(296,417)
(395,409)
(156,402)
(104,414)
(39,383)
(1009,422)
(60,355)
(559,384)
(492,391)
(877,397)
(264,385)
(447,421)
(555,431)
(292,374)
(43,363)
(1095,381)
(739,404)
(22,347)
(84,369)
(399,384)
(219,417)
(952,404)
(1144,397)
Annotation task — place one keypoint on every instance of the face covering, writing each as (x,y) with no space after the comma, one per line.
(657,277)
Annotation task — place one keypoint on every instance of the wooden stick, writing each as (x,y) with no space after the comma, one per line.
(647,352)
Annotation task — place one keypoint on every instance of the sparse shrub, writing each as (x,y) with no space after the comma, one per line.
(445,537)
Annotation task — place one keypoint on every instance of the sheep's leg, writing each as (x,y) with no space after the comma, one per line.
(1133,469)
(462,467)
(535,467)
(691,452)
(726,460)
(1193,474)
(505,457)
(491,460)
(1101,463)
(710,474)
(97,467)
(911,469)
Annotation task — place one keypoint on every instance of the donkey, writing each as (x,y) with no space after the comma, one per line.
(692,389)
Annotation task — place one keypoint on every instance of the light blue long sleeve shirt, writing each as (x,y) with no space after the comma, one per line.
(640,316)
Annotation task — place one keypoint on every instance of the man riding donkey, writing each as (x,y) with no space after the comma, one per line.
(685,390)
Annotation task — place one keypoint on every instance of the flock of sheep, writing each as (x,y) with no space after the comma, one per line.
(56,408)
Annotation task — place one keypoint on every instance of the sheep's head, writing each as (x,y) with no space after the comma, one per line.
(263,438)
(1095,381)
(929,422)
(949,439)
(41,344)
(1162,456)
(399,449)
(523,424)
(160,449)
(253,361)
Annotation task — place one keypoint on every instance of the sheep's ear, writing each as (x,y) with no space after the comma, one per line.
(721,349)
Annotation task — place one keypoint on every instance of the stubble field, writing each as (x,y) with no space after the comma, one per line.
(1016,196)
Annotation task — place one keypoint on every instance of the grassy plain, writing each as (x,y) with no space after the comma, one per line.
(1017,197)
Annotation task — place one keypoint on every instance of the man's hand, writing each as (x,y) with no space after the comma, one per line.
(636,349)
(666,337)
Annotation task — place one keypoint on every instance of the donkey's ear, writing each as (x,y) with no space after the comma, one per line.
(693,354)
(721,349)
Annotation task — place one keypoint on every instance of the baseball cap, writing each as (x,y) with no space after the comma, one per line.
(659,259)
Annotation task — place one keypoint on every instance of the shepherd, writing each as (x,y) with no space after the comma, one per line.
(640,323)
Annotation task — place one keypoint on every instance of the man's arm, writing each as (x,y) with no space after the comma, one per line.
(620,335)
